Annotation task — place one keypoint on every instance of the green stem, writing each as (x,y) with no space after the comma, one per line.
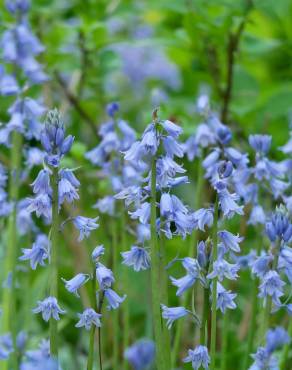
(54,260)
(126,314)
(164,300)
(155,278)
(9,296)
(206,307)
(92,330)
(268,308)
(192,252)
(99,332)
(115,312)
(225,332)
(214,290)
(285,352)
(252,326)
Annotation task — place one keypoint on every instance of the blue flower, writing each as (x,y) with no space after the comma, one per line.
(114,300)
(172,147)
(171,128)
(264,360)
(279,227)
(172,314)
(141,354)
(230,241)
(41,184)
(149,142)
(202,255)
(228,204)
(106,205)
(257,215)
(49,308)
(34,157)
(225,298)
(137,257)
(142,213)
(276,338)
(272,286)
(6,346)
(88,318)
(66,191)
(198,357)
(104,276)
(112,109)
(97,252)
(183,283)
(41,205)
(203,217)
(76,283)
(261,265)
(260,143)
(38,253)
(85,225)
(143,233)
(222,268)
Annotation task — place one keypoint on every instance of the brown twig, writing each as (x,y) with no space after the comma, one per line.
(75,102)
(233,45)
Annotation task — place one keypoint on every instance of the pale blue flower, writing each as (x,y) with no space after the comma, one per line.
(260,143)
(230,241)
(41,184)
(49,308)
(141,354)
(276,338)
(137,257)
(272,286)
(198,357)
(113,299)
(66,191)
(97,253)
(172,313)
(88,318)
(261,265)
(225,298)
(38,253)
(203,217)
(257,215)
(85,225)
(142,213)
(228,203)
(104,276)
(222,269)
(172,147)
(106,205)
(76,283)
(171,128)
(41,205)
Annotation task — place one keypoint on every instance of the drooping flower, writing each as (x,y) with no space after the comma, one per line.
(104,276)
(38,253)
(172,314)
(198,357)
(225,298)
(230,241)
(272,285)
(137,257)
(141,354)
(85,225)
(49,308)
(76,283)
(88,318)
(113,299)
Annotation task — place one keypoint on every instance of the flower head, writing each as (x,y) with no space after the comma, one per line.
(172,314)
(141,354)
(85,225)
(137,257)
(38,253)
(88,318)
(49,308)
(76,283)
(198,357)
(114,300)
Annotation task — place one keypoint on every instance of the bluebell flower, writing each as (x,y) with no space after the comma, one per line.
(203,217)
(41,184)
(88,318)
(198,357)
(260,143)
(104,276)
(97,253)
(228,203)
(264,360)
(85,225)
(166,168)
(113,299)
(272,285)
(21,340)
(172,147)
(261,265)
(106,205)
(112,108)
(225,298)
(230,241)
(8,85)
(66,191)
(68,174)
(141,354)
(238,159)
(34,157)
(41,205)
(257,215)
(172,313)
(6,346)
(49,308)
(211,159)
(137,257)
(279,227)
(15,6)
(40,354)
(143,233)
(222,268)
(276,338)
(202,255)
(191,148)
(38,253)
(149,142)
(76,283)
(171,128)
(183,283)
(142,213)
(204,136)
(225,169)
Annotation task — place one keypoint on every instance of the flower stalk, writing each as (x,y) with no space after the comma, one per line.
(214,289)
(54,259)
